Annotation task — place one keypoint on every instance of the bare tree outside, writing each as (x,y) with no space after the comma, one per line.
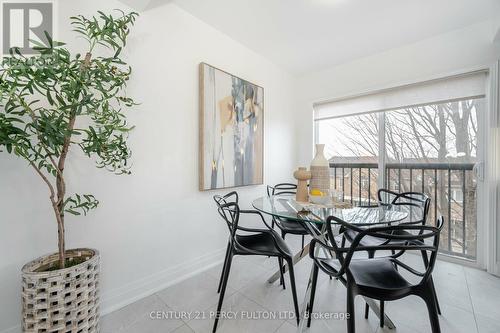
(429,148)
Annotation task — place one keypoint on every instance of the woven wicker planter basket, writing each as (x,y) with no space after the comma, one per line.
(65,300)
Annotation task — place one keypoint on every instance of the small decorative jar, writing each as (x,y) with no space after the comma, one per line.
(302,176)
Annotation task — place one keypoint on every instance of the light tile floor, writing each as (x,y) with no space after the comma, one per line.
(469,298)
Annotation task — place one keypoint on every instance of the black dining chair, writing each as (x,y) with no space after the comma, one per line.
(286,226)
(262,242)
(378,278)
(417,206)
(233,197)
(410,202)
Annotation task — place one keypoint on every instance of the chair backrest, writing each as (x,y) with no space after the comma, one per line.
(400,238)
(229,210)
(386,197)
(409,200)
(227,198)
(282,188)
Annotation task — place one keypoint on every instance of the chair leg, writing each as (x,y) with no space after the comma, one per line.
(382,313)
(430,301)
(393,252)
(371,254)
(281,275)
(426,263)
(342,244)
(282,272)
(351,320)
(425,259)
(294,291)
(302,248)
(435,296)
(313,293)
(223,290)
(223,267)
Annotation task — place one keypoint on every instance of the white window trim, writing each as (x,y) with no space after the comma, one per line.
(492,165)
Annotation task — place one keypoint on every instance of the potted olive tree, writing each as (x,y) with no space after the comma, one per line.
(50,104)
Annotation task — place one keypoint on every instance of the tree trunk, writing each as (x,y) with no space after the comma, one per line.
(60,183)
(61,192)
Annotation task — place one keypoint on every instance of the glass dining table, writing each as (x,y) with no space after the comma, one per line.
(313,217)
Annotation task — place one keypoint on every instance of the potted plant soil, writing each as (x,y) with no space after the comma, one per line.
(50,104)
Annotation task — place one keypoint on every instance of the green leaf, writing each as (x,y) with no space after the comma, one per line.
(74,212)
(49,97)
(38,101)
(49,39)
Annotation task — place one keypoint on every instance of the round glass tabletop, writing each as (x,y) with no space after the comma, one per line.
(285,206)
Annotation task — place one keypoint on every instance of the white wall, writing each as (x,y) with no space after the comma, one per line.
(497,29)
(154,226)
(442,55)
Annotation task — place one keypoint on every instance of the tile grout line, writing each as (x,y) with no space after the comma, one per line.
(145,315)
(470,299)
(242,295)
(283,323)
(245,285)
(184,323)
(262,306)
(204,309)
(236,291)
(138,318)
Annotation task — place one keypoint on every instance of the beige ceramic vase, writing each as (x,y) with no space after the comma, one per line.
(302,176)
(320,171)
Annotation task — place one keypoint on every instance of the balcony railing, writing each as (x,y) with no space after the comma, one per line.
(452,188)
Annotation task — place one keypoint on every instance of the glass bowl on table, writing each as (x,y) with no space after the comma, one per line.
(319,197)
(337,195)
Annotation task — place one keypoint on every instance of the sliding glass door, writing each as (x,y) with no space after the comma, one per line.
(434,147)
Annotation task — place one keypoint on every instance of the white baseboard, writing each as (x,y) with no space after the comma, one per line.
(134,291)
(123,296)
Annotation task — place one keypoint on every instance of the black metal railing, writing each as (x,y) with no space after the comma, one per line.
(354,174)
(452,188)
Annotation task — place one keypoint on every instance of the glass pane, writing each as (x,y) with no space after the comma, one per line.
(351,145)
(441,133)
(433,148)
(353,138)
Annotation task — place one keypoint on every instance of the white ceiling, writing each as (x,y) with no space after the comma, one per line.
(308,35)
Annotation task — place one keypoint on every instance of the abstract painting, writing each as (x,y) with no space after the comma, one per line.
(231,130)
